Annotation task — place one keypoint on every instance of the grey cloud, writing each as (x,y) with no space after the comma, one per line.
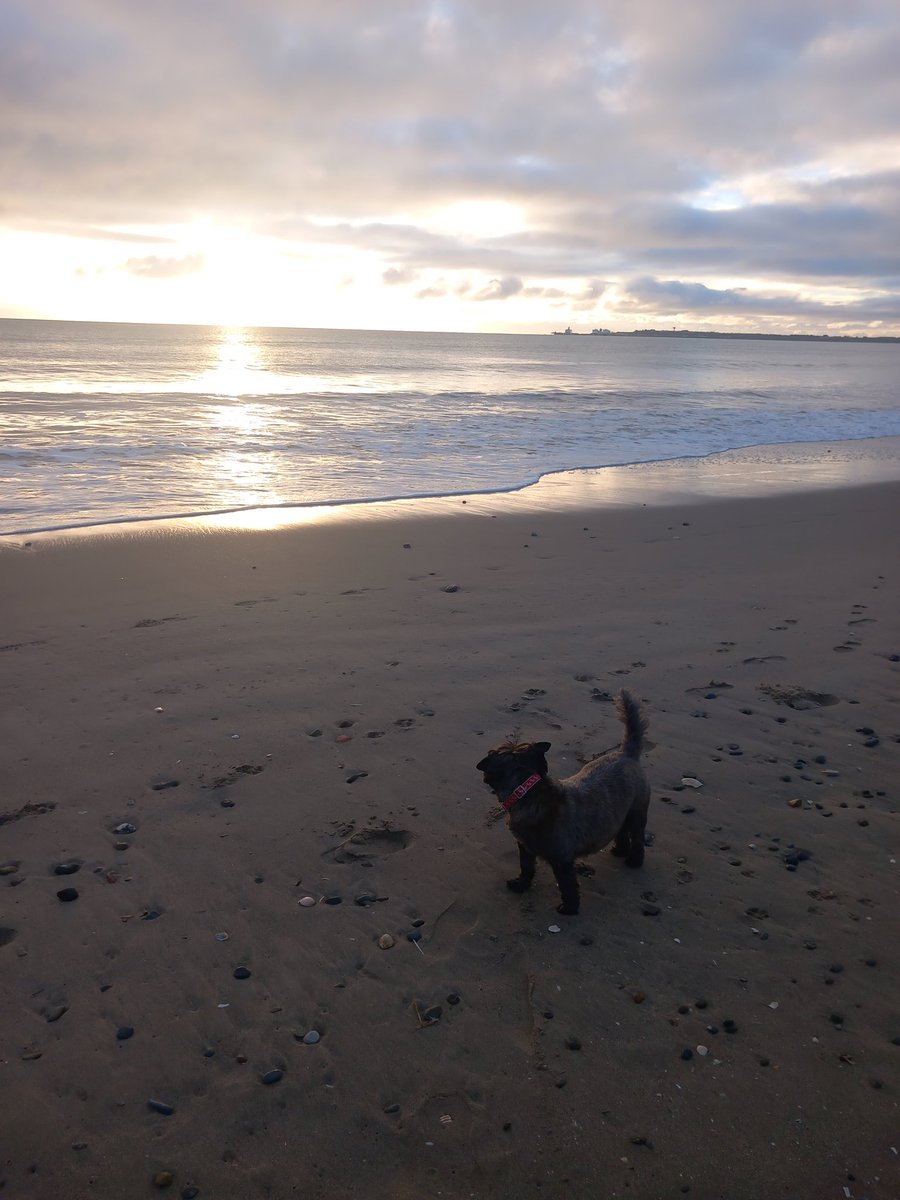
(500,289)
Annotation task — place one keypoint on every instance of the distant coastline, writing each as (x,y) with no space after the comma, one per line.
(709,333)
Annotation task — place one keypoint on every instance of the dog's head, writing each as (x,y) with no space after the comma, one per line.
(512,763)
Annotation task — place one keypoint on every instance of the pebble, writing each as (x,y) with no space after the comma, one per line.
(385,941)
(8,869)
(66,868)
(638,997)
(190,1193)
(221,937)
(414,935)
(651,910)
(333,900)
(241,973)
(687,1054)
(729,1026)
(453,998)
(691,781)
(553,929)
(364,899)
(163,1179)
(272,1076)
(161,1107)
(308,901)
(125,827)
(124,1032)
(433,1013)
(120,846)
(66,894)
(391,1109)
(795,803)
(572,1043)
(451,587)
(703,1051)
(310,1039)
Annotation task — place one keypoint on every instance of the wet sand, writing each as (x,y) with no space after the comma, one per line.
(297,712)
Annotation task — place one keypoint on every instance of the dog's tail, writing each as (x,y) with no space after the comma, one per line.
(632,717)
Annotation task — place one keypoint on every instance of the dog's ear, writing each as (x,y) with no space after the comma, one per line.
(542,746)
(482,766)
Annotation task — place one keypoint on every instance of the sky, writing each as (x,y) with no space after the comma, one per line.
(496,165)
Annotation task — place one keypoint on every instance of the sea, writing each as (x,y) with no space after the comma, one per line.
(106,423)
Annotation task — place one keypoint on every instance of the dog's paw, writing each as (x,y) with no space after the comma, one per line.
(618,851)
(518,885)
(567,910)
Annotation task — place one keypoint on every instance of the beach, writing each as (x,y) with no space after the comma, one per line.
(213,723)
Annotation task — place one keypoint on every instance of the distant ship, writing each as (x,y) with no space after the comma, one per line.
(570,332)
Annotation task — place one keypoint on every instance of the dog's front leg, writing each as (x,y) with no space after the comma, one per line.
(527,863)
(567,881)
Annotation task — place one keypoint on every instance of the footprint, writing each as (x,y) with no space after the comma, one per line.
(7,935)
(22,645)
(369,843)
(796,697)
(765,658)
(149,621)
(405,722)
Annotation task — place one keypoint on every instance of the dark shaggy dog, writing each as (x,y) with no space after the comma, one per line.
(561,819)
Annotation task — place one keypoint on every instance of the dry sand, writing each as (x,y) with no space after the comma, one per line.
(320,695)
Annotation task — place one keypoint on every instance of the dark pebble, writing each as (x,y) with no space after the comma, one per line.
(66,868)
(418,923)
(190,1193)
(871,742)
(159,1106)
(272,1076)
(391,1109)
(764,1062)
(66,894)
(877,1084)
(712,1029)
(729,1026)
(835,968)
(688,809)
(836,1019)
(433,1013)
(687,1054)
(152,915)
(651,910)
(701,1004)
(453,998)
(208,1052)
(572,1043)
(241,973)
(162,787)
(683,1009)
(586,941)
(365,899)
(414,936)
(451,587)
(332,900)
(124,1032)
(871,962)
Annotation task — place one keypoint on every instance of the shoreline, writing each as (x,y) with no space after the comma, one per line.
(766,469)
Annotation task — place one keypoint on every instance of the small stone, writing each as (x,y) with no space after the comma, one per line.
(638,997)
(221,937)
(729,1026)
(8,869)
(67,894)
(691,781)
(151,915)
(190,1193)
(553,929)
(795,803)
(687,1054)
(125,827)
(120,846)
(764,1062)
(124,1032)
(272,1076)
(453,998)
(66,868)
(163,1179)
(391,1109)
(385,941)
(836,1019)
(310,1039)
(159,1106)
(451,587)
(433,1013)
(365,899)
(308,901)
(414,935)
(241,973)
(31,1055)
(57,1011)
(683,1009)
(703,1051)
(418,923)
(701,1004)
(333,900)
(572,1043)
(651,910)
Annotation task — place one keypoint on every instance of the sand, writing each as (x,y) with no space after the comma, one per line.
(297,712)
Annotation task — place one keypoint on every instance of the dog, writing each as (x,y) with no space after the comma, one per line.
(560,820)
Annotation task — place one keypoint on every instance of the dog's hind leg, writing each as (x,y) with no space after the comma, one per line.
(633,829)
(527,862)
(622,845)
(567,881)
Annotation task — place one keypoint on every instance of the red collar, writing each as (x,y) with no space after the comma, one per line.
(520,791)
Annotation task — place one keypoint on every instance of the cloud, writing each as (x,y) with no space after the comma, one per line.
(154,267)
(619,131)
